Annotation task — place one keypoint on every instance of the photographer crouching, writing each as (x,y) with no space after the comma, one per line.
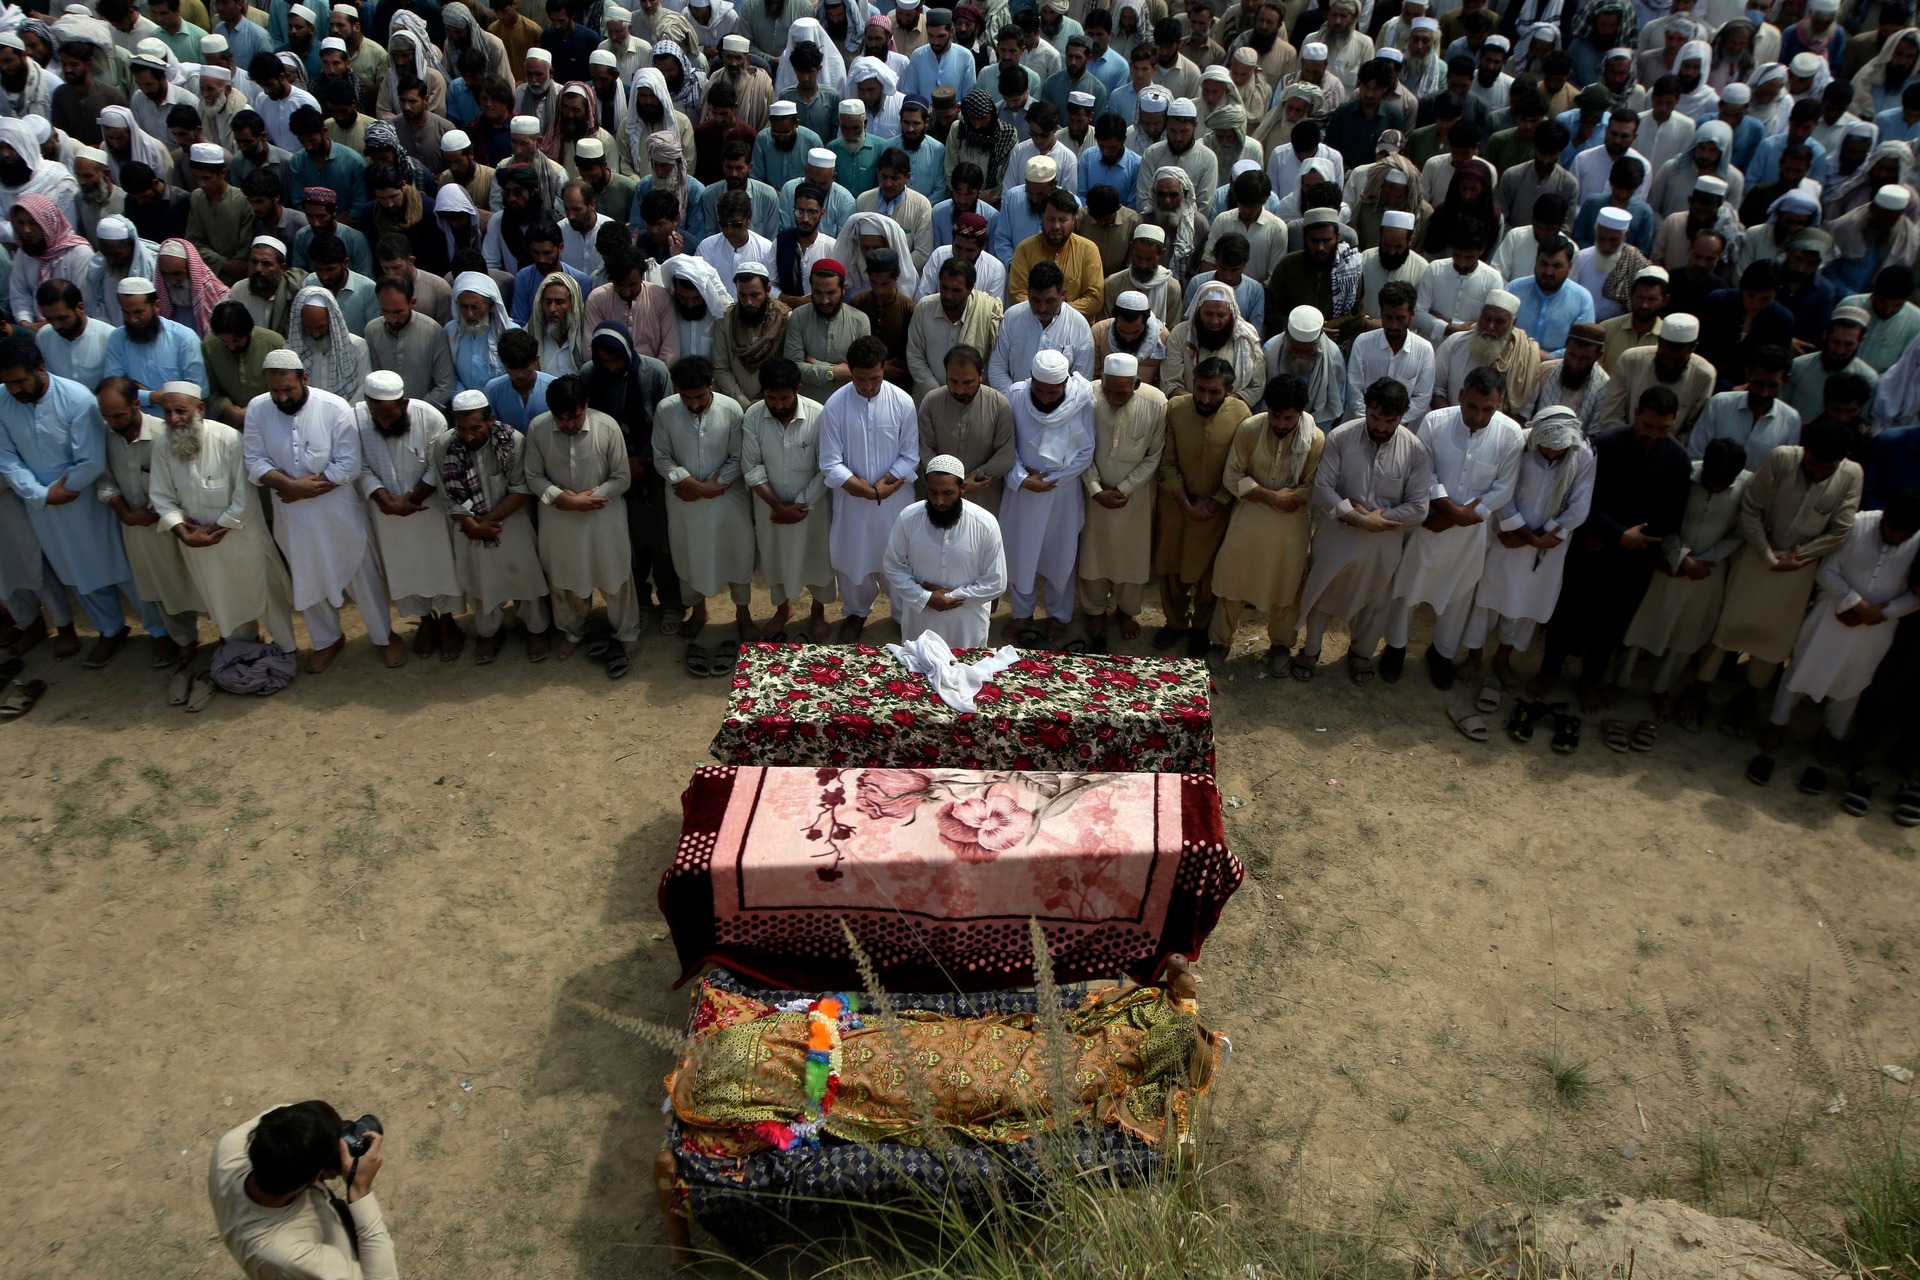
(274,1214)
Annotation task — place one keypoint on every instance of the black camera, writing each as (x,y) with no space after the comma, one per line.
(358,1134)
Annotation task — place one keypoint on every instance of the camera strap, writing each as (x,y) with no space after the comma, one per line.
(346,1214)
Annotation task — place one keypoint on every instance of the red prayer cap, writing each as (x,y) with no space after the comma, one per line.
(829,264)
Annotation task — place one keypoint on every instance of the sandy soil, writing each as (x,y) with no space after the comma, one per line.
(386,888)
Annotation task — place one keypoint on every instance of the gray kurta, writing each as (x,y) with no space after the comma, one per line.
(582,551)
(811,336)
(491,577)
(793,557)
(158,560)
(712,538)
(979,433)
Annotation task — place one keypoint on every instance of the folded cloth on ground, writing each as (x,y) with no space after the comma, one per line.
(252,666)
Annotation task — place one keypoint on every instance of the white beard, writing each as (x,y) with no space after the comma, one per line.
(185,442)
(1487,350)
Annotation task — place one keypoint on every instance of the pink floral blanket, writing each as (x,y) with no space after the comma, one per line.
(937,872)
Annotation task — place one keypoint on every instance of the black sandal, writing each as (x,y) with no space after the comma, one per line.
(1813,781)
(1566,733)
(618,663)
(1760,770)
(1520,724)
(1859,796)
(1906,805)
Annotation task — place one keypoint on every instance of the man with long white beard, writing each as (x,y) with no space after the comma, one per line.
(303,444)
(1372,484)
(1305,352)
(945,562)
(479,320)
(334,357)
(1495,342)
(1346,47)
(416,542)
(199,490)
(752,89)
(161,587)
(1576,380)
(148,347)
(1475,455)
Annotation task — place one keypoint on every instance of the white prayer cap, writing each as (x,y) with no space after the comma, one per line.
(853,107)
(1425,24)
(735,44)
(1245,166)
(907,4)
(1619,51)
(820,158)
(1152,232)
(1320,217)
(114,228)
(12,40)
(133,286)
(946,464)
(1217,74)
(758,269)
(206,153)
(1391,54)
(524,126)
(1397,178)
(151,61)
(1737,93)
(589,149)
(181,389)
(1499,42)
(578,90)
(209,71)
(1890,196)
(283,360)
(1132,300)
(1120,365)
(1183,109)
(384,384)
(1651,272)
(1246,57)
(1313,51)
(272,242)
(537,54)
(603,58)
(94,154)
(1680,329)
(1051,367)
(454,140)
(1615,219)
(1804,65)
(1862,129)
(469,400)
(1398,219)
(1153,100)
(1080,98)
(1823,6)
(783,108)
(213,42)
(172,249)
(1501,300)
(1548,31)
(1706,185)
(333,44)
(614,13)
(1042,169)
(1304,323)
(301,11)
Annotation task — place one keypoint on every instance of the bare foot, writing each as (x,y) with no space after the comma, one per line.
(1593,696)
(538,646)
(1663,706)
(1469,671)
(1056,632)
(778,622)
(1503,668)
(28,638)
(690,627)
(568,647)
(395,652)
(818,626)
(1539,687)
(744,623)
(1129,626)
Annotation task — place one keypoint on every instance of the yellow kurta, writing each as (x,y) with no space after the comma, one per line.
(1116,543)
(1782,511)
(1264,557)
(1195,460)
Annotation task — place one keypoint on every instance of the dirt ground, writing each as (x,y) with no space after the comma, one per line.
(1458,974)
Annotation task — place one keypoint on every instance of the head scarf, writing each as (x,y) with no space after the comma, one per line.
(142,148)
(1229,115)
(155,48)
(1180,239)
(702,275)
(383,133)
(204,288)
(833,75)
(453,198)
(576,318)
(857,11)
(749,348)
(408,25)
(847,250)
(1275,130)
(693,81)
(998,139)
(335,368)
(43,177)
(1844,195)
(1702,98)
(1588,14)
(61,237)
(1720,134)
(664,148)
(1054,437)
(553,143)
(1520,362)
(454,14)
(1729,68)
(1454,209)
(1874,74)
(1248,358)
(498,322)
(1558,427)
(638,130)
(460,477)
(35,27)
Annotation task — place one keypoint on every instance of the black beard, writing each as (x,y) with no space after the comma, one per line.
(1262,41)
(260,288)
(293,409)
(15,173)
(753,319)
(15,82)
(1211,339)
(691,311)
(1576,381)
(574,129)
(1393,262)
(946,519)
(1120,342)
(142,332)
(394,432)
(1206,411)
(1896,76)
(786,144)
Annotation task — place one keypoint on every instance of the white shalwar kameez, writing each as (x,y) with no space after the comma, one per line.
(1833,662)
(866,440)
(166,592)
(1042,530)
(417,550)
(327,542)
(1473,468)
(584,551)
(241,578)
(969,560)
(794,558)
(711,538)
(1520,585)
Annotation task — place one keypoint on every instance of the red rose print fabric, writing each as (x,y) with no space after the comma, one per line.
(855,707)
(937,872)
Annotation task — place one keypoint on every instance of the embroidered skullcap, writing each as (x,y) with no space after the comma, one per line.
(946,464)
(783,109)
(1319,217)
(853,107)
(274,243)
(1707,185)
(1736,93)
(1183,109)
(1313,51)
(1499,42)
(1080,98)
(469,400)
(1151,232)
(1042,169)
(1131,300)
(735,44)
(746,269)
(206,153)
(589,149)
(384,384)
(602,58)
(1804,65)
(181,389)
(281,359)
(133,286)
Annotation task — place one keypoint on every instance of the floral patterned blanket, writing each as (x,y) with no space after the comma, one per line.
(855,706)
(937,872)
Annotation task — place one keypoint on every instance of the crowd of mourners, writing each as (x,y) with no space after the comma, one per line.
(1589,324)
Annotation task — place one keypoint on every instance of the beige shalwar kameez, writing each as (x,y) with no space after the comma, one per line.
(979,433)
(1678,614)
(1263,560)
(157,557)
(241,578)
(1194,462)
(492,577)
(794,558)
(415,550)
(712,538)
(1116,543)
(584,551)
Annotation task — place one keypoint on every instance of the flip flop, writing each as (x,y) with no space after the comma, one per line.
(618,663)
(1859,796)
(20,699)
(1906,805)
(1097,642)
(698,659)
(598,646)
(1646,735)
(670,622)
(1760,770)
(1489,700)
(1566,733)
(1616,735)
(726,656)
(1813,781)
(179,686)
(1520,723)
(203,690)
(1469,723)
